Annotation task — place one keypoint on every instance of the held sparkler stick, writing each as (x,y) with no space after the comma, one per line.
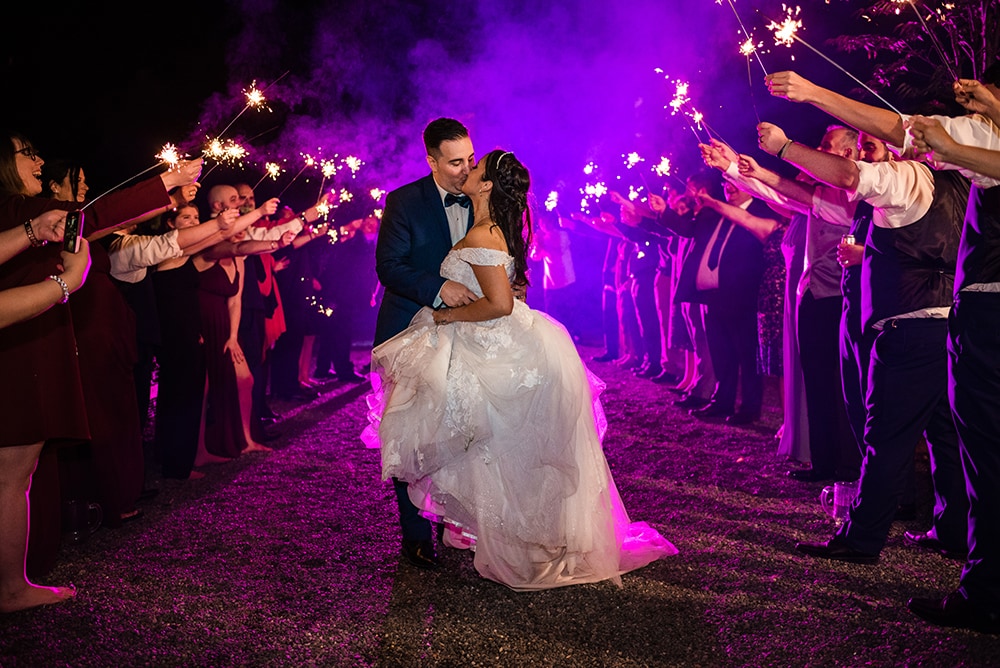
(167,156)
(787,30)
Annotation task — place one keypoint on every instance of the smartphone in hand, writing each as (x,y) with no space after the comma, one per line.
(73,230)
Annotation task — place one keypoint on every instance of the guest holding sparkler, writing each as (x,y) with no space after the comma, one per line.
(42,352)
(723,271)
(226,415)
(907,277)
(973,384)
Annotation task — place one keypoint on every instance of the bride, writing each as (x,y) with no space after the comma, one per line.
(487,411)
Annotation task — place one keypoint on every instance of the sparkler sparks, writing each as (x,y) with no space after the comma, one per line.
(377,193)
(552,201)
(786,31)
(169,155)
(632,159)
(271,169)
(663,167)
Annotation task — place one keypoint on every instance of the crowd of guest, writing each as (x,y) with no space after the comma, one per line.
(184,295)
(840,283)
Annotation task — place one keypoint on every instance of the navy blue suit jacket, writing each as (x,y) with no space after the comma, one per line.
(413,240)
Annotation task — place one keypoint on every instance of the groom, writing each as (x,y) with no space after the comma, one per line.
(421,222)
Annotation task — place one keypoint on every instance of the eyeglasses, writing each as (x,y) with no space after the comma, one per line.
(28,152)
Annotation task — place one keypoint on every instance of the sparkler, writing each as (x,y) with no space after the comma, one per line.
(931,35)
(271,169)
(254,97)
(309,161)
(748,46)
(167,156)
(787,31)
(552,201)
(223,151)
(328,168)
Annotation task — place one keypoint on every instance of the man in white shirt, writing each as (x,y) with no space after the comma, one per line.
(974,383)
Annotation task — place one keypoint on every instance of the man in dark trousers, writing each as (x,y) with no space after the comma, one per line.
(421,222)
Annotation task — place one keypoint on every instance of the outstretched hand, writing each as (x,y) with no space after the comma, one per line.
(929,136)
(791,86)
(770,138)
(748,167)
(975,97)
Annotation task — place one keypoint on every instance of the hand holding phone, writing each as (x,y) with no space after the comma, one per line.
(73,231)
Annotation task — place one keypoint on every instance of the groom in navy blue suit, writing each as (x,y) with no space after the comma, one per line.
(421,222)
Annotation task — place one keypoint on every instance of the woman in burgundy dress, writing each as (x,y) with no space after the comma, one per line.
(45,404)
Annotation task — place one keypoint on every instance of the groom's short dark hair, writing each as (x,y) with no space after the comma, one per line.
(442,130)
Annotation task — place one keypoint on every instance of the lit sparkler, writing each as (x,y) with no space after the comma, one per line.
(632,159)
(254,98)
(748,46)
(931,35)
(308,161)
(167,156)
(787,31)
(377,193)
(271,169)
(354,164)
(552,201)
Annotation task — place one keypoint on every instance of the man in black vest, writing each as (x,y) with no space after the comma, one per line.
(907,277)
(974,383)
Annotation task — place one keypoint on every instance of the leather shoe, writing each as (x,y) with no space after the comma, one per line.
(837,550)
(690,402)
(741,418)
(350,378)
(809,475)
(712,410)
(665,378)
(421,553)
(955,610)
(629,362)
(606,357)
(649,371)
(929,542)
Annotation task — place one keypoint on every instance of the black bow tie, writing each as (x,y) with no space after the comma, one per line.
(461,200)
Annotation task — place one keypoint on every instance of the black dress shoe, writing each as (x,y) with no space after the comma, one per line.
(665,378)
(421,553)
(712,410)
(148,493)
(606,357)
(741,418)
(690,402)
(351,378)
(325,374)
(809,475)
(649,371)
(270,414)
(928,542)
(955,610)
(837,550)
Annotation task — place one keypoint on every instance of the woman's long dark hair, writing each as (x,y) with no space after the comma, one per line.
(56,171)
(509,206)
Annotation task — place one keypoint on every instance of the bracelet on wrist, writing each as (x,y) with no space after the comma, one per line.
(781,151)
(32,239)
(62,284)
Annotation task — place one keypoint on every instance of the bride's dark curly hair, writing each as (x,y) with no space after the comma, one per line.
(509,206)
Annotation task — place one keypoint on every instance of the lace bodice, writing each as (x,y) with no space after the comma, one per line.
(457,265)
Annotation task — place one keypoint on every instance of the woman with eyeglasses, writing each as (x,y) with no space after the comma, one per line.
(41,402)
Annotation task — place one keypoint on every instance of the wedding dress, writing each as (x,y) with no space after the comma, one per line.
(497,428)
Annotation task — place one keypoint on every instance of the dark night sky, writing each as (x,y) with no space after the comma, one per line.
(561,84)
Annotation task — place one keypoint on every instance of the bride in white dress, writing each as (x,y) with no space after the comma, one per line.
(489,414)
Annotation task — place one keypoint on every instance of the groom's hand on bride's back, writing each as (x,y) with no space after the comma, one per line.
(455,294)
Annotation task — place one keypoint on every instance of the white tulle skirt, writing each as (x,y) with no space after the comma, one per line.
(497,428)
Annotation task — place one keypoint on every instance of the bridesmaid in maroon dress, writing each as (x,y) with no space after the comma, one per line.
(43,400)
(226,414)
